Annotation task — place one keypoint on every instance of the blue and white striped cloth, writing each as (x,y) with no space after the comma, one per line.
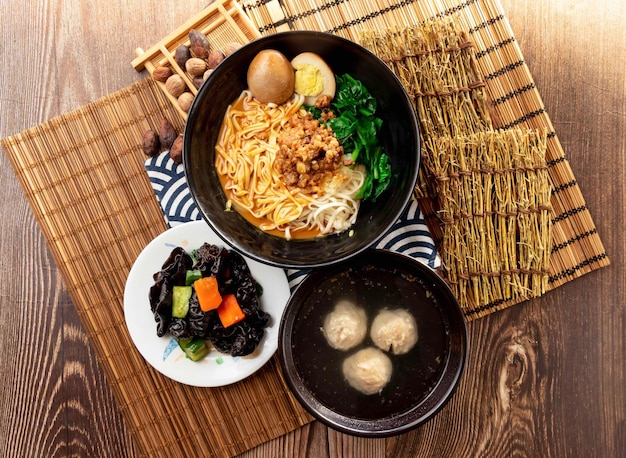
(409,235)
(170,186)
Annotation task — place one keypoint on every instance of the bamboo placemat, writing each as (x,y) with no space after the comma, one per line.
(83,175)
(513,99)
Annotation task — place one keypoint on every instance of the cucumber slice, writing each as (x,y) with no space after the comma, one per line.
(180,301)
(191,276)
(195,348)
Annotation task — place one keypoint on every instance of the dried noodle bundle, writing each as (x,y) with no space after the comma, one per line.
(493,194)
(489,189)
(436,64)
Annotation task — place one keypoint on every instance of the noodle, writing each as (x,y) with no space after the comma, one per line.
(246,154)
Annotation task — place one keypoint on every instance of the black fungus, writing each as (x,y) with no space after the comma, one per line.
(179,328)
(161,306)
(173,272)
(198,320)
(210,259)
(175,267)
(233,277)
(240,339)
(241,283)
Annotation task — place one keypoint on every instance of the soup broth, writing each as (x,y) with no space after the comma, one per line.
(414,373)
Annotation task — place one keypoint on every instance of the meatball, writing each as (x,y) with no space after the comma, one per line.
(394,331)
(346,326)
(368,370)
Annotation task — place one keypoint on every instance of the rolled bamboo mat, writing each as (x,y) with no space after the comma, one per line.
(512,97)
(84,178)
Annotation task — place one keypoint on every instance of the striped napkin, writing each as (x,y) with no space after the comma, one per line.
(409,235)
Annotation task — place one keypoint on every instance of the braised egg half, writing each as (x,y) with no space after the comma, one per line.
(313,77)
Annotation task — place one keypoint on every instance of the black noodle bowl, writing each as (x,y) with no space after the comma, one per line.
(399,138)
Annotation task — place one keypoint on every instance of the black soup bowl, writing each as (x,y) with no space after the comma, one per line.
(399,139)
(422,378)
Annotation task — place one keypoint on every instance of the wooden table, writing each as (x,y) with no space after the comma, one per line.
(554,380)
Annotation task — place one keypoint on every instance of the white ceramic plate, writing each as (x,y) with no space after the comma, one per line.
(163,353)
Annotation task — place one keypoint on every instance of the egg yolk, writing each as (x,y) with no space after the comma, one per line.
(309,80)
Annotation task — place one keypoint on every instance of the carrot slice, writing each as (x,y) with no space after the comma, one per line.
(229,311)
(209,296)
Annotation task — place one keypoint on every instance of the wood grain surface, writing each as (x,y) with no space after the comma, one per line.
(544,378)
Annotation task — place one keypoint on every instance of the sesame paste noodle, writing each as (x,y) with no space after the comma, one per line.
(255,150)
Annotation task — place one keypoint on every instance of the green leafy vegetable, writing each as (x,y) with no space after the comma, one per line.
(357,128)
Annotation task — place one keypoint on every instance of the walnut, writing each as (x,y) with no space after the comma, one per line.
(231,48)
(195,66)
(175,85)
(150,143)
(162,73)
(182,55)
(167,134)
(199,44)
(215,58)
(176,151)
(185,100)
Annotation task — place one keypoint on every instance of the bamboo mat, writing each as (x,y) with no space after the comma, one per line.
(84,178)
(513,99)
